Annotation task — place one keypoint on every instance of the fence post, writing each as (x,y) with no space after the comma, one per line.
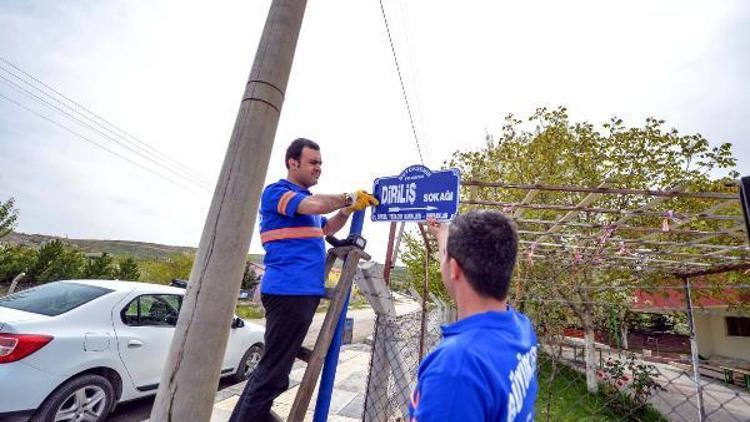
(377,380)
(425,290)
(694,351)
(389,262)
(400,374)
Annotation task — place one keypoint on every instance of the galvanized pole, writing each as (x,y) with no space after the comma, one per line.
(191,376)
(694,351)
(425,290)
(389,255)
(396,247)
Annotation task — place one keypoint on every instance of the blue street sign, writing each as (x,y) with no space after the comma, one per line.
(417,194)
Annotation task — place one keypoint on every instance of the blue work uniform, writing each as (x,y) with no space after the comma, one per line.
(484,369)
(295,249)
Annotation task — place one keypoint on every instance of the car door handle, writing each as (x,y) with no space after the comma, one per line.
(135,343)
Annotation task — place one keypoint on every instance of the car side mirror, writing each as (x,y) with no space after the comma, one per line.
(238,322)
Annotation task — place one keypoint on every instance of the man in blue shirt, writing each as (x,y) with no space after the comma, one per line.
(292,231)
(484,369)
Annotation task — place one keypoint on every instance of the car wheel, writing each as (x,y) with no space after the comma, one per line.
(249,362)
(87,398)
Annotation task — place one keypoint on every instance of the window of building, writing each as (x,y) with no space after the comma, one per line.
(738,326)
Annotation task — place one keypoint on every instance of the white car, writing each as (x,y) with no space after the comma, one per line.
(70,350)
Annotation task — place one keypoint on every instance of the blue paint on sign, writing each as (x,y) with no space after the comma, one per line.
(417,194)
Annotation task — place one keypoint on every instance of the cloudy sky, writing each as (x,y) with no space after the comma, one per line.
(171,74)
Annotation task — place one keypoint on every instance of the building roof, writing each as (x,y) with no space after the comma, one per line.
(672,298)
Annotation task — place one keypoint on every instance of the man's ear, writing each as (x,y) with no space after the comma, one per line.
(456,271)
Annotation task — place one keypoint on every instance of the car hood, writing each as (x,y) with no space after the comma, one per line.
(10,316)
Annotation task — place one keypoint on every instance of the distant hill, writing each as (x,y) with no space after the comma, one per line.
(138,250)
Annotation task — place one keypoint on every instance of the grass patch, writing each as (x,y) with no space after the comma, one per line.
(568,400)
(250,311)
(246,311)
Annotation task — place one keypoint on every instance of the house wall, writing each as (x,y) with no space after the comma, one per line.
(704,335)
(711,332)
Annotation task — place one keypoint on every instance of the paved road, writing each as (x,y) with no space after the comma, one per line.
(364,319)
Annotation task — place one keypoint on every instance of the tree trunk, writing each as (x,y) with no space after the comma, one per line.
(624,335)
(590,356)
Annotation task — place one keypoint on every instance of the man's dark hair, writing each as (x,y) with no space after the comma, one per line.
(485,244)
(295,149)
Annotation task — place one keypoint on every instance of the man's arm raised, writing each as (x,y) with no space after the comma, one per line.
(336,222)
(440,231)
(346,203)
(323,204)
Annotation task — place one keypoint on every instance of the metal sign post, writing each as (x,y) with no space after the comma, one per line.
(328,376)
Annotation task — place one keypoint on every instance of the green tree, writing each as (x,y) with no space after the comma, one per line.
(8,217)
(15,260)
(56,261)
(249,278)
(128,269)
(548,148)
(176,266)
(100,267)
(413,257)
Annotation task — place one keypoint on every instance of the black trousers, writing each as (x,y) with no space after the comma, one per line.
(287,321)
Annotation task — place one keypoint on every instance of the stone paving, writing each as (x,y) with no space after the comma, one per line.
(347,401)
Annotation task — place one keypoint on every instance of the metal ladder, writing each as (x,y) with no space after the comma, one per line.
(338,296)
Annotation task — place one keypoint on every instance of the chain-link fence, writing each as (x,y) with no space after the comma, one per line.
(659,360)
(652,362)
(394,363)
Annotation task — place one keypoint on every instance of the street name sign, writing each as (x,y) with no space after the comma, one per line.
(417,194)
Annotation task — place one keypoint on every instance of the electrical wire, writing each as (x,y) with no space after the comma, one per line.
(94,129)
(401,81)
(93,142)
(97,120)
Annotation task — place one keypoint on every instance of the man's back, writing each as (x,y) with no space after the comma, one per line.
(483,370)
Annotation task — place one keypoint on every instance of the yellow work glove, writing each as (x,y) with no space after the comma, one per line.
(362,200)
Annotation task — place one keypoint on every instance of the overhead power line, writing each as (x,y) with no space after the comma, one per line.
(139,153)
(114,133)
(401,81)
(77,108)
(93,142)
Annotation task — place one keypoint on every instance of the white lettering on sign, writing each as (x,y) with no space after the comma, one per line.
(438,196)
(398,194)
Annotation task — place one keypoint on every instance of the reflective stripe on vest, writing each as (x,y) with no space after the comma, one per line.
(291,233)
(284,201)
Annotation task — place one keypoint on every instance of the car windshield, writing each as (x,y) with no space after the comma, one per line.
(54,298)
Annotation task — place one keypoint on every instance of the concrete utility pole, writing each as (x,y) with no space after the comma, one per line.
(191,376)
